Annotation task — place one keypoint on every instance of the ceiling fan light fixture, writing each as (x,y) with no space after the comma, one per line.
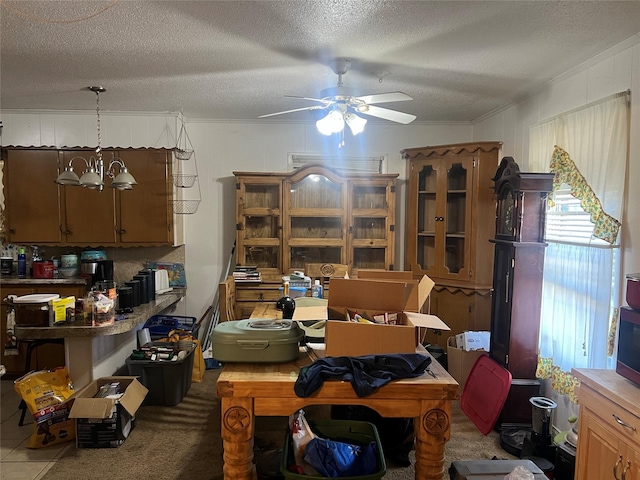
(356,123)
(332,123)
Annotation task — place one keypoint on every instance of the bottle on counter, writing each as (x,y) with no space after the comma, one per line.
(22,263)
(316,292)
(286,303)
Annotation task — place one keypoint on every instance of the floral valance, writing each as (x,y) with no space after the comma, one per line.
(605,226)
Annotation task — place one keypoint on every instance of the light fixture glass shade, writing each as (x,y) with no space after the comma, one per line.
(356,123)
(68,177)
(91,179)
(123,180)
(332,123)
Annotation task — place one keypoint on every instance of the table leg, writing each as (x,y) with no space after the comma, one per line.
(238,425)
(433,430)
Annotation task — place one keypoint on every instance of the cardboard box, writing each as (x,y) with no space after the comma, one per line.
(460,362)
(369,298)
(106,422)
(420,288)
(473,340)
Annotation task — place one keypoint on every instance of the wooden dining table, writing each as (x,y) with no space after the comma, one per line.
(248,390)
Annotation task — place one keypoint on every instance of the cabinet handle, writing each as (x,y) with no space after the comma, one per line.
(626,469)
(620,422)
(615,467)
(122,231)
(12,230)
(260,298)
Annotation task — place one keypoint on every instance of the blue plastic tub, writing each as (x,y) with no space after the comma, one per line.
(160,325)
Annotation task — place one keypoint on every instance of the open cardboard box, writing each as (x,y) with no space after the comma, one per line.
(368,298)
(420,288)
(93,413)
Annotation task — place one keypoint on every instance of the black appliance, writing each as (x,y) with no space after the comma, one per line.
(628,363)
(151,282)
(104,271)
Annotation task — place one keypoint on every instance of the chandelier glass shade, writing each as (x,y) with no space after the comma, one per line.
(94,173)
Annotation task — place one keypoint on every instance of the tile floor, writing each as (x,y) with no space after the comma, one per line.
(17,462)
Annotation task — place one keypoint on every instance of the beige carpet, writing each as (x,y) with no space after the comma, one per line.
(170,443)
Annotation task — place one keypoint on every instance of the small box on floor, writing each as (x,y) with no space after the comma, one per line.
(460,362)
(106,422)
(491,469)
(473,341)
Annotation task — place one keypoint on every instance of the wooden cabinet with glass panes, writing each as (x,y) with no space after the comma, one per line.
(450,219)
(313,215)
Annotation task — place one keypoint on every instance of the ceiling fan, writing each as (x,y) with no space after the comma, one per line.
(342,105)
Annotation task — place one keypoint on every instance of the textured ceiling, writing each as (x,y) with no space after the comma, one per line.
(238,60)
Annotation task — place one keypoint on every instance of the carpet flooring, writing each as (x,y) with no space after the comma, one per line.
(183,441)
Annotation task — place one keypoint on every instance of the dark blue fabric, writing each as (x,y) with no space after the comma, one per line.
(337,459)
(365,373)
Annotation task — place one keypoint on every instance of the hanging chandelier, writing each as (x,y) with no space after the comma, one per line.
(94,173)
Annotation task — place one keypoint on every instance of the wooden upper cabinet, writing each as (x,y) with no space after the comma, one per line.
(41,212)
(145,212)
(315,215)
(32,198)
(451,212)
(89,215)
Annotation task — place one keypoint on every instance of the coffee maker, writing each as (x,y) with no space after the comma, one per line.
(103,271)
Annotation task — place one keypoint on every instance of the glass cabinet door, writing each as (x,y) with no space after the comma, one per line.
(443,202)
(371,232)
(315,220)
(258,224)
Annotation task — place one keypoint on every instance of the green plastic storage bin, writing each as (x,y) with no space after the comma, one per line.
(348,431)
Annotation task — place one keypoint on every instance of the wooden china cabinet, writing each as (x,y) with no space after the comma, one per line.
(315,215)
(517,282)
(450,211)
(311,215)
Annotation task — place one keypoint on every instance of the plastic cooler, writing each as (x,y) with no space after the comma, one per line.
(160,325)
(348,431)
(168,382)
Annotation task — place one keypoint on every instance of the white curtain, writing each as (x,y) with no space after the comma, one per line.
(580,281)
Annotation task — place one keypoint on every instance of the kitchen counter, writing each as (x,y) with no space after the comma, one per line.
(94,352)
(83,329)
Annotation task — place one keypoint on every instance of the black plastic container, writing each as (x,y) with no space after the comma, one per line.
(135,286)
(151,282)
(144,288)
(125,299)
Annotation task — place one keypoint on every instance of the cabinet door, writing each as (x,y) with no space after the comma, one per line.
(316,218)
(145,213)
(371,229)
(503,272)
(90,217)
(32,198)
(599,449)
(258,222)
(439,219)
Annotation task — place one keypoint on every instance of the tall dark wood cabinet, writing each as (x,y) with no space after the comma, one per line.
(517,282)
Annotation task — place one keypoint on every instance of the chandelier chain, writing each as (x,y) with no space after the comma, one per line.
(99,147)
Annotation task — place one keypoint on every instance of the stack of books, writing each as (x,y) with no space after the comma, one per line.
(246,273)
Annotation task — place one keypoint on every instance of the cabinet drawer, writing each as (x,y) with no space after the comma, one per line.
(611,414)
(258,295)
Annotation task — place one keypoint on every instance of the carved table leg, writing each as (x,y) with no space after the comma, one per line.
(238,426)
(433,429)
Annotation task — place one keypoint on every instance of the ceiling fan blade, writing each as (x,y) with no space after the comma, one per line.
(385,97)
(314,107)
(387,114)
(320,100)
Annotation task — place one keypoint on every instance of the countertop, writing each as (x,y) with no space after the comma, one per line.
(81,329)
(14,280)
